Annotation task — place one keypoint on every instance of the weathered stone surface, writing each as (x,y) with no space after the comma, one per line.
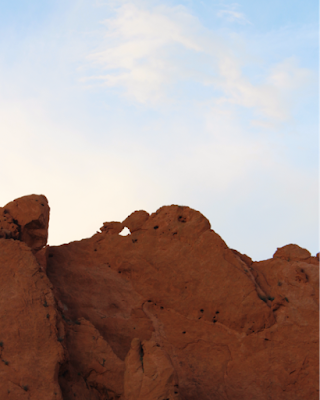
(26,219)
(8,227)
(287,353)
(112,228)
(218,316)
(29,350)
(166,312)
(292,252)
(149,373)
(92,371)
(136,220)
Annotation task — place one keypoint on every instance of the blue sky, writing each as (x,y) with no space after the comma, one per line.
(107,107)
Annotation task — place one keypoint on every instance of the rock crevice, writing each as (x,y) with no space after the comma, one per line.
(167,312)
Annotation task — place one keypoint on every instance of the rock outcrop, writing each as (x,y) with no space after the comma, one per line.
(166,312)
(30,352)
(26,219)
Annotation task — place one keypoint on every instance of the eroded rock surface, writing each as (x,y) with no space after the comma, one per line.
(26,219)
(169,312)
(29,350)
(149,373)
(218,316)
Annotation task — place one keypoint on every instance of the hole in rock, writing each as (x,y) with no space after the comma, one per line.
(125,232)
(201,310)
(217,312)
(184,332)
(155,227)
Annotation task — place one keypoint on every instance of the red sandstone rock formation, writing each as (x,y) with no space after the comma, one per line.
(29,322)
(167,312)
(26,219)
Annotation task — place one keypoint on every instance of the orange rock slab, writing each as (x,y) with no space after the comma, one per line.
(93,371)
(168,312)
(149,373)
(30,354)
(218,317)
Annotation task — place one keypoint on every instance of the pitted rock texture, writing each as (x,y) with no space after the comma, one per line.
(26,219)
(227,326)
(167,312)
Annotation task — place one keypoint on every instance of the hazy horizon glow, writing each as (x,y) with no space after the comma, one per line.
(107,107)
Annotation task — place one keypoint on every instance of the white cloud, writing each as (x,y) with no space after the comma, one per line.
(274,97)
(233,16)
(136,49)
(146,53)
(160,26)
(99,162)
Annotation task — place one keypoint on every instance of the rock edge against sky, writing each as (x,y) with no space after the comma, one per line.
(166,312)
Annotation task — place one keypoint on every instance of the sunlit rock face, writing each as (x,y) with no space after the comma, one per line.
(152,308)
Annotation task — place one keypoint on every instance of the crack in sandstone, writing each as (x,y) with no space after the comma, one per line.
(261,294)
(245,373)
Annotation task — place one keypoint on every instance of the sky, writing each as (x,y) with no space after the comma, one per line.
(111,106)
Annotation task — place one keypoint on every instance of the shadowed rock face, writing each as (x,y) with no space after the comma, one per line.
(26,219)
(167,312)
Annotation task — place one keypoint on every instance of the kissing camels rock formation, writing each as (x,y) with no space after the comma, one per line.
(167,312)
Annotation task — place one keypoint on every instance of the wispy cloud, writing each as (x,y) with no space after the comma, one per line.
(146,53)
(205,132)
(274,97)
(136,49)
(231,14)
